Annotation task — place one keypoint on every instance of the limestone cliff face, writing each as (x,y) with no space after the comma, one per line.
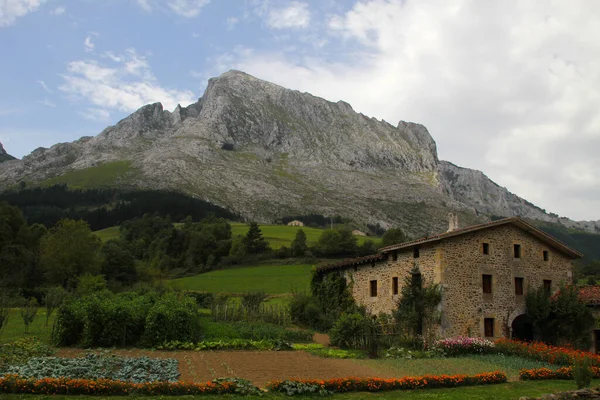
(4,156)
(265,151)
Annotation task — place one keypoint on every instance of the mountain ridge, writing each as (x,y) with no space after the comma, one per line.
(265,151)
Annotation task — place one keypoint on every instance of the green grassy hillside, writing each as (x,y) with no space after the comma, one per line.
(104,175)
(283,235)
(271,279)
(276,235)
(107,234)
(586,243)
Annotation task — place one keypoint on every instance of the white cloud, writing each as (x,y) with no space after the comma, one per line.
(88,44)
(58,11)
(10,10)
(124,87)
(511,89)
(47,103)
(231,22)
(295,15)
(187,8)
(43,84)
(145,4)
(184,8)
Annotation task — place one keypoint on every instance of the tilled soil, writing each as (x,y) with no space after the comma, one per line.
(256,366)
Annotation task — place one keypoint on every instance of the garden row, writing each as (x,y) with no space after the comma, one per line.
(154,320)
(49,386)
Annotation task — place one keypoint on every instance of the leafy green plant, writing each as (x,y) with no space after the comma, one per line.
(172,317)
(99,366)
(19,351)
(409,354)
(582,372)
(232,344)
(299,388)
(349,331)
(251,330)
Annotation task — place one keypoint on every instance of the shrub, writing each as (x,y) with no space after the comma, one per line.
(69,323)
(349,331)
(582,373)
(459,346)
(305,311)
(252,301)
(204,300)
(126,319)
(172,317)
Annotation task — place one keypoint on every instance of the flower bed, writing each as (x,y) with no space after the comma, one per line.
(543,352)
(464,345)
(342,385)
(546,373)
(65,386)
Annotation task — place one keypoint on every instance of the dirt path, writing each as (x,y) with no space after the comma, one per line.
(257,366)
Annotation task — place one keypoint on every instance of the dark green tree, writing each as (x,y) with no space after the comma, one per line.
(299,246)
(69,251)
(19,250)
(118,263)
(416,306)
(392,236)
(338,242)
(254,242)
(561,317)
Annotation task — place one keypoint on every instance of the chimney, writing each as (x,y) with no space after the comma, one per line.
(452,222)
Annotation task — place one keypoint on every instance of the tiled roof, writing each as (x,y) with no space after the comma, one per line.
(590,295)
(352,261)
(520,223)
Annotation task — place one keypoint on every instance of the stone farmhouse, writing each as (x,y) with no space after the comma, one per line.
(484,270)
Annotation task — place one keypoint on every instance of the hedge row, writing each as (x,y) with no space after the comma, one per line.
(65,386)
(546,373)
(127,319)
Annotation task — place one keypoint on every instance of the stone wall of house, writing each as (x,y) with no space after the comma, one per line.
(458,264)
(398,265)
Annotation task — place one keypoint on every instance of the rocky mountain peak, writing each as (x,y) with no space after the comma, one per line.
(264,151)
(4,156)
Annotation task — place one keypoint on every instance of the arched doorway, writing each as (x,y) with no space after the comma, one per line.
(522,328)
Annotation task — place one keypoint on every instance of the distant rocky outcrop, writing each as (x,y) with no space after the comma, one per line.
(4,156)
(265,152)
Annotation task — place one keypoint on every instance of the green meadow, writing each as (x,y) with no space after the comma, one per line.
(271,279)
(276,235)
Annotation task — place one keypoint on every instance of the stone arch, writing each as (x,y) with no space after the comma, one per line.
(520,325)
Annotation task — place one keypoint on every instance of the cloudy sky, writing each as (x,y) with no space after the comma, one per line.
(511,88)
